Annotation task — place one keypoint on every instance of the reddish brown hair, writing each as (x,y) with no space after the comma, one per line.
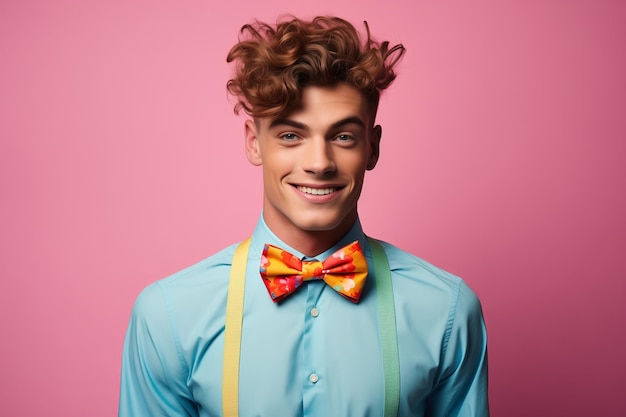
(274,63)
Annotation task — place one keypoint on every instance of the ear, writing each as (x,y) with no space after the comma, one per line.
(375,136)
(253,153)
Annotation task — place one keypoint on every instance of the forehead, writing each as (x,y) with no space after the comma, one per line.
(324,106)
(341,95)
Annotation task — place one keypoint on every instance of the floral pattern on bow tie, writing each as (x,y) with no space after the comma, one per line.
(345,271)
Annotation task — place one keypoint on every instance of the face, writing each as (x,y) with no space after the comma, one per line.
(314,160)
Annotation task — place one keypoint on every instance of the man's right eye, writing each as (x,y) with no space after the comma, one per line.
(289,136)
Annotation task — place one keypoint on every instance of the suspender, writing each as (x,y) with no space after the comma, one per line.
(232,333)
(386,330)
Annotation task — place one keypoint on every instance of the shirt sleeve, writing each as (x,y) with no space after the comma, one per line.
(153,372)
(461,390)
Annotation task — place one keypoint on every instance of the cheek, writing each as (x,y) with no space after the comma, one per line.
(356,165)
(276,167)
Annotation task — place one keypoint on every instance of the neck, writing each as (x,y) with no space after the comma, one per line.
(310,242)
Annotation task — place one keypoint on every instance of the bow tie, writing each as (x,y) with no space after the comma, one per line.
(345,271)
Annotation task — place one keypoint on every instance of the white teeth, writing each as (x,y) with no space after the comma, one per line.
(316,191)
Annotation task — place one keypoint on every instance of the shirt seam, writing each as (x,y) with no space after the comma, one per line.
(174,330)
(449,324)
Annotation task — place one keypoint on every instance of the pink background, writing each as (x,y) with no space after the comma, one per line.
(503,161)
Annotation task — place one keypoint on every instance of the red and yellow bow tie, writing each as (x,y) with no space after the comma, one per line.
(345,271)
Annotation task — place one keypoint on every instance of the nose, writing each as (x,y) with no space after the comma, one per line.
(318,157)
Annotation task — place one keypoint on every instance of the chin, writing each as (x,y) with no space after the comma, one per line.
(318,227)
(318,223)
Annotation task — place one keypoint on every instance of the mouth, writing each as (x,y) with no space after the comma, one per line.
(317,191)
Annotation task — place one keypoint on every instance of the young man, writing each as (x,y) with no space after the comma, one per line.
(334,324)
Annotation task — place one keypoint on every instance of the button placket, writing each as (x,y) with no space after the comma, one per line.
(312,355)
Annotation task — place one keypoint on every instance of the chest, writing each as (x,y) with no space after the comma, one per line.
(313,355)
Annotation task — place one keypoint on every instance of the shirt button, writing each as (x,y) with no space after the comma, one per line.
(315,312)
(313,378)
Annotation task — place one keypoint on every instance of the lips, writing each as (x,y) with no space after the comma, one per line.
(317,191)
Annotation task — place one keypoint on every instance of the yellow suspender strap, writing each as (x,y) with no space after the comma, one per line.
(234,320)
(232,333)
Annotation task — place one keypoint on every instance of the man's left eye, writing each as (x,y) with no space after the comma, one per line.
(344,138)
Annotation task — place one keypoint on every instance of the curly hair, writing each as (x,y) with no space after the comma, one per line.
(274,64)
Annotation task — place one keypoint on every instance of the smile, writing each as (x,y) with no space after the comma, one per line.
(316,191)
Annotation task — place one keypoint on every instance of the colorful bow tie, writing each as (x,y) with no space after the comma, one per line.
(345,271)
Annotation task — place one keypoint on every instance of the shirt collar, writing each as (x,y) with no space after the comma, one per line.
(263,235)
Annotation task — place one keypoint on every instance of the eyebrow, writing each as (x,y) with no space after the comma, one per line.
(297,125)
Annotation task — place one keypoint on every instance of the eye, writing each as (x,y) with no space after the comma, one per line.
(289,137)
(344,138)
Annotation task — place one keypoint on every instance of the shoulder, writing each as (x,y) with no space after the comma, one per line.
(411,267)
(206,269)
(192,286)
(434,286)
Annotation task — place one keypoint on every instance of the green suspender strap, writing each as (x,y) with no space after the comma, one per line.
(386,329)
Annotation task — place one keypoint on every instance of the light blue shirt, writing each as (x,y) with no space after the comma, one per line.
(315,354)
